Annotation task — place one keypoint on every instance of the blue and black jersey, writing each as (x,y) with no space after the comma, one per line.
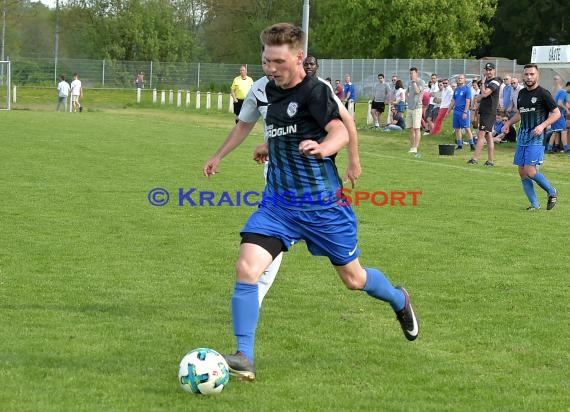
(534,107)
(294,115)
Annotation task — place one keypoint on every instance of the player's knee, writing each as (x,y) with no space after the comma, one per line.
(248,272)
(353,282)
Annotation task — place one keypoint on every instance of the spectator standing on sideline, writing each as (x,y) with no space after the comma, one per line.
(63,89)
(512,109)
(415,91)
(239,89)
(556,84)
(349,94)
(488,101)
(338,90)
(299,158)
(433,111)
(430,117)
(461,106)
(391,100)
(381,96)
(139,81)
(446,96)
(76,93)
(560,134)
(475,91)
(536,110)
(399,97)
(505,93)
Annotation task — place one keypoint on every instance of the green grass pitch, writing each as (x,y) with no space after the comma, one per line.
(101,293)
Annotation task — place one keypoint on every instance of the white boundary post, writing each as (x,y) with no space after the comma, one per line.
(208,100)
(179,98)
(170,97)
(187,98)
(138,95)
(162,97)
(369,119)
(220,102)
(153,96)
(198,99)
(231,108)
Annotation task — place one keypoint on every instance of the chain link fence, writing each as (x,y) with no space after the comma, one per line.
(218,77)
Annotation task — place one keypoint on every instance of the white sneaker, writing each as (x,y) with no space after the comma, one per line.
(426,133)
(413,150)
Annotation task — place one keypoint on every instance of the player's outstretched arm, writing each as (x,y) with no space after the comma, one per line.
(238,134)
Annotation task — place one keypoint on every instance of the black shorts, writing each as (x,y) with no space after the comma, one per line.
(487,121)
(237,106)
(378,106)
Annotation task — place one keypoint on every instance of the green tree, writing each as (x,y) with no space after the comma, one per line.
(28,29)
(231,28)
(399,28)
(131,29)
(521,24)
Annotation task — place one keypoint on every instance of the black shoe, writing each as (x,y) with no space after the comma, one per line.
(472,162)
(532,208)
(552,200)
(472,146)
(490,164)
(240,366)
(80,109)
(459,148)
(407,318)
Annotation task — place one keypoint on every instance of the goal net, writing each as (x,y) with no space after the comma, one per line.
(5,85)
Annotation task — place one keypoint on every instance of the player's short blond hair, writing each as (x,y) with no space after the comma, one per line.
(283,34)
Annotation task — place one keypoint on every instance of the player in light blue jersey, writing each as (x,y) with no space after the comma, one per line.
(536,110)
(304,133)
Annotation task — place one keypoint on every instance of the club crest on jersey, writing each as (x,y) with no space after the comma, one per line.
(533,100)
(292,109)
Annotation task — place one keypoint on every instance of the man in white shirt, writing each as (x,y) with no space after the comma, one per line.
(62,93)
(446,97)
(76,92)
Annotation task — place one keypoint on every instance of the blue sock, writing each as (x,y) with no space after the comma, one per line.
(245,313)
(549,148)
(459,142)
(471,142)
(565,147)
(541,180)
(528,188)
(379,287)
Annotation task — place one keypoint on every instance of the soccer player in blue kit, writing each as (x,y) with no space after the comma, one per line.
(536,110)
(304,133)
